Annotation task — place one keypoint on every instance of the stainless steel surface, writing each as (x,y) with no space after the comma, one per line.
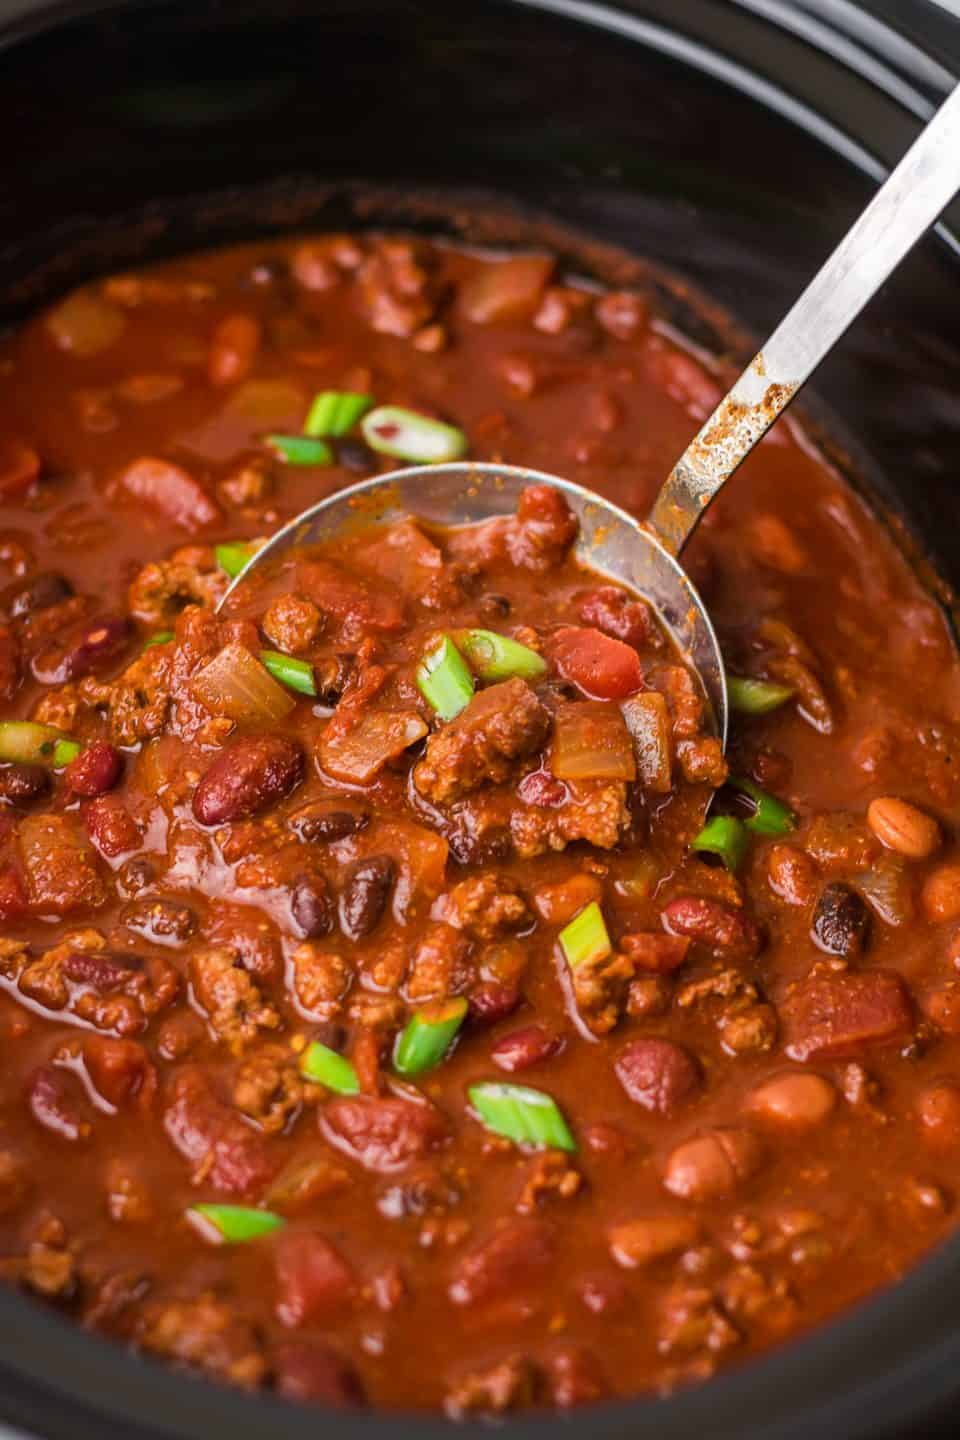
(610,541)
(902,210)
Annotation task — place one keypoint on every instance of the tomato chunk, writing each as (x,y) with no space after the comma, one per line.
(599,665)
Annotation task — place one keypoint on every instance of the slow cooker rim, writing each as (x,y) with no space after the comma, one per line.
(89,1368)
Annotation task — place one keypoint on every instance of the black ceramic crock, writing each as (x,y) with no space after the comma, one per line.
(731,140)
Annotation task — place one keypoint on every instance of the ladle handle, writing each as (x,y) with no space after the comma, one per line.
(904,207)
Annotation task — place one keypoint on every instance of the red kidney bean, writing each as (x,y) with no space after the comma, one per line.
(523,1048)
(364,896)
(232,1158)
(312,1278)
(310,906)
(513,1257)
(39,593)
(658,954)
(110,826)
(57,1104)
(542,790)
(20,783)
(95,770)
(493,1000)
(657,1074)
(840,921)
(100,641)
(99,970)
(709,923)
(119,1070)
(313,1371)
(383,1134)
(252,774)
(324,827)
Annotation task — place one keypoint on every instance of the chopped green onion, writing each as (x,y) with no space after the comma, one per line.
(444,680)
(233,1224)
(770,816)
(497,657)
(405,435)
(233,557)
(585,938)
(334,412)
(301,449)
(428,1036)
(25,742)
(726,836)
(162,637)
(295,674)
(324,1066)
(755,697)
(523,1115)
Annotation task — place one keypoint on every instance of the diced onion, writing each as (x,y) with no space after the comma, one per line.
(591,742)
(648,720)
(236,685)
(357,754)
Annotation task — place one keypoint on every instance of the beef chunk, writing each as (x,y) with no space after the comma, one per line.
(485,907)
(232,1001)
(204,1334)
(59,865)
(501,724)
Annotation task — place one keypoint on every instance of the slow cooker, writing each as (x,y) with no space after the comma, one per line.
(731,141)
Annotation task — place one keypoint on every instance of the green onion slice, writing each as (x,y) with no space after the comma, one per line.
(523,1115)
(755,697)
(428,1036)
(497,657)
(301,449)
(335,412)
(324,1066)
(163,637)
(233,1224)
(726,836)
(770,815)
(405,435)
(295,674)
(444,680)
(26,742)
(233,557)
(585,938)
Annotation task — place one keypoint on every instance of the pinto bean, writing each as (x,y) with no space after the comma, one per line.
(22,783)
(364,896)
(40,593)
(253,773)
(712,1165)
(95,770)
(726,932)
(791,873)
(99,642)
(840,921)
(657,1074)
(904,827)
(512,1258)
(310,906)
(941,893)
(652,1237)
(938,1111)
(523,1048)
(794,1101)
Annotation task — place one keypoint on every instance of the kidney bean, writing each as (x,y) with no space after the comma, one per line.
(543,790)
(100,641)
(56,1103)
(938,1111)
(659,954)
(119,1070)
(941,893)
(253,773)
(652,1237)
(837,1015)
(523,1048)
(712,1165)
(233,349)
(21,783)
(794,1101)
(791,874)
(723,931)
(840,920)
(312,1278)
(366,889)
(172,491)
(310,906)
(314,1371)
(231,1157)
(657,1074)
(110,826)
(904,827)
(320,826)
(95,770)
(99,970)
(515,1256)
(44,590)
(493,1000)
(382,1134)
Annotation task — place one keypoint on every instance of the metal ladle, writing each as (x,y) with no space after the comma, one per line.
(643,556)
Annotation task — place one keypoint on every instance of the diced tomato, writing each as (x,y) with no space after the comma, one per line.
(357,605)
(603,668)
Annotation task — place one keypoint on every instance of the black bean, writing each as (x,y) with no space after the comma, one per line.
(310,907)
(20,783)
(323,827)
(354,455)
(40,593)
(840,920)
(364,896)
